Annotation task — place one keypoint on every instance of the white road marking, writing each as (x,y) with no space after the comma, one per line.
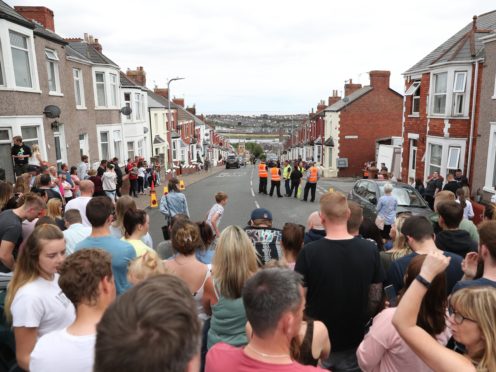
(256,204)
(252,193)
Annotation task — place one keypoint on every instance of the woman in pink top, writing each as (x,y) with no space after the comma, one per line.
(383,350)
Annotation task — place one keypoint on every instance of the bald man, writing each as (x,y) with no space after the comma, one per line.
(87,188)
(315,229)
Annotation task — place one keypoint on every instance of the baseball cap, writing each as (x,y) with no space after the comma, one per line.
(261,214)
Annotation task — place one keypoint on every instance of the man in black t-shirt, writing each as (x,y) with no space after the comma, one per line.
(343,277)
(20,154)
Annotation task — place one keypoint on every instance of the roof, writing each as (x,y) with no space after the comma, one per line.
(465,45)
(348,100)
(47,34)
(8,13)
(126,82)
(184,114)
(70,52)
(155,100)
(91,53)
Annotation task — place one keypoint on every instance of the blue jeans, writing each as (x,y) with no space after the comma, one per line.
(110,194)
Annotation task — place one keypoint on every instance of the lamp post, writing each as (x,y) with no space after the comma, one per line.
(169,114)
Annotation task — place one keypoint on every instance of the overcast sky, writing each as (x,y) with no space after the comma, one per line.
(267,56)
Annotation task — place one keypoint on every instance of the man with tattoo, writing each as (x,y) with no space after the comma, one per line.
(343,278)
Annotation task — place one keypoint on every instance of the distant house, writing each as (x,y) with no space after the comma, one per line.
(157,108)
(442,102)
(354,124)
(484,175)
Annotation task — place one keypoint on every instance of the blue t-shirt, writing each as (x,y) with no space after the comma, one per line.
(121,252)
(481,282)
(386,208)
(397,271)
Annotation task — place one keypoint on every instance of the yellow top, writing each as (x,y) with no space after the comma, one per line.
(139,247)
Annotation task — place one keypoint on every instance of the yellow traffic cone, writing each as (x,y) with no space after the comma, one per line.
(166,190)
(153,199)
(182,186)
(331,189)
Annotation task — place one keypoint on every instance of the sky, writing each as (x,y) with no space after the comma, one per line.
(270,56)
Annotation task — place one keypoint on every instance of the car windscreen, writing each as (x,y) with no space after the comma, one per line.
(406,196)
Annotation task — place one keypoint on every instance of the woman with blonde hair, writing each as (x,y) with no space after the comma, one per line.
(400,246)
(235,261)
(6,193)
(472,319)
(144,267)
(54,210)
(34,302)
(124,203)
(36,158)
(22,183)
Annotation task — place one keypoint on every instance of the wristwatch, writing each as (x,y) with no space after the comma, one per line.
(424,281)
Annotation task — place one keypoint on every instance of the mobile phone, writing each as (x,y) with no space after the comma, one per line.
(390,294)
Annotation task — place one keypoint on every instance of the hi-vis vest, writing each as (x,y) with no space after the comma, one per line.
(312,178)
(262,170)
(286,172)
(274,174)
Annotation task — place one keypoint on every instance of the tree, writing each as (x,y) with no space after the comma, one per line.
(254,148)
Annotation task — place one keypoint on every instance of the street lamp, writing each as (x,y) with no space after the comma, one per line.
(169,113)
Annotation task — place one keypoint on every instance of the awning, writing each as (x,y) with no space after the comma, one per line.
(157,140)
(329,142)
(318,141)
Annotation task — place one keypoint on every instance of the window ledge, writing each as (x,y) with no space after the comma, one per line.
(81,108)
(101,108)
(414,115)
(489,189)
(16,89)
(448,117)
(493,97)
(56,94)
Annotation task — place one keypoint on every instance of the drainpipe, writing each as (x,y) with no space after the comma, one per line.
(472,119)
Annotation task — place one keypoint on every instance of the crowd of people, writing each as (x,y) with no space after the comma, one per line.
(96,293)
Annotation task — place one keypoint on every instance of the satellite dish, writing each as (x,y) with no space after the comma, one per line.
(126,110)
(145,129)
(52,111)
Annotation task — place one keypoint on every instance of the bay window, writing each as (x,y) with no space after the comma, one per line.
(440,92)
(101,95)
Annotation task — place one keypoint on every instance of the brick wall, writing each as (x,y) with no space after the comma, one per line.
(375,115)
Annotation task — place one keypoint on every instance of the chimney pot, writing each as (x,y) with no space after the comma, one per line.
(379,79)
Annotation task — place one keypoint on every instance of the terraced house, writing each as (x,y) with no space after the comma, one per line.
(443,102)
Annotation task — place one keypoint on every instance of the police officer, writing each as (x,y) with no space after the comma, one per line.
(312,178)
(286,174)
(262,174)
(275,181)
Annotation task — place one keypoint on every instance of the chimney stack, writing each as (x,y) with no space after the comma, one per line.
(138,76)
(40,14)
(379,79)
(321,106)
(334,98)
(191,110)
(161,92)
(350,88)
(93,42)
(178,101)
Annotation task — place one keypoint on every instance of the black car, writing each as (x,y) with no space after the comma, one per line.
(367,193)
(232,161)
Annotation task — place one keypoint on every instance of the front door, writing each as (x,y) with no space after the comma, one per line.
(412,163)
(5,157)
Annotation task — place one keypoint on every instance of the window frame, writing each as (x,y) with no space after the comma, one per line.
(117,138)
(138,106)
(107,143)
(113,90)
(451,151)
(52,63)
(446,144)
(128,150)
(436,94)
(127,103)
(102,84)
(30,58)
(3,79)
(489,185)
(78,87)
(457,95)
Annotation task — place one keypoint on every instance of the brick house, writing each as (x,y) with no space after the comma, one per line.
(37,69)
(442,101)
(484,175)
(354,124)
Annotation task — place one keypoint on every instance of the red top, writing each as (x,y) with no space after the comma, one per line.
(223,357)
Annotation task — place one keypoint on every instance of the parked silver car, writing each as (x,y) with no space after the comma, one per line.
(367,192)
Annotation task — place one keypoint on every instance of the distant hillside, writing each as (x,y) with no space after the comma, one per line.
(256,123)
